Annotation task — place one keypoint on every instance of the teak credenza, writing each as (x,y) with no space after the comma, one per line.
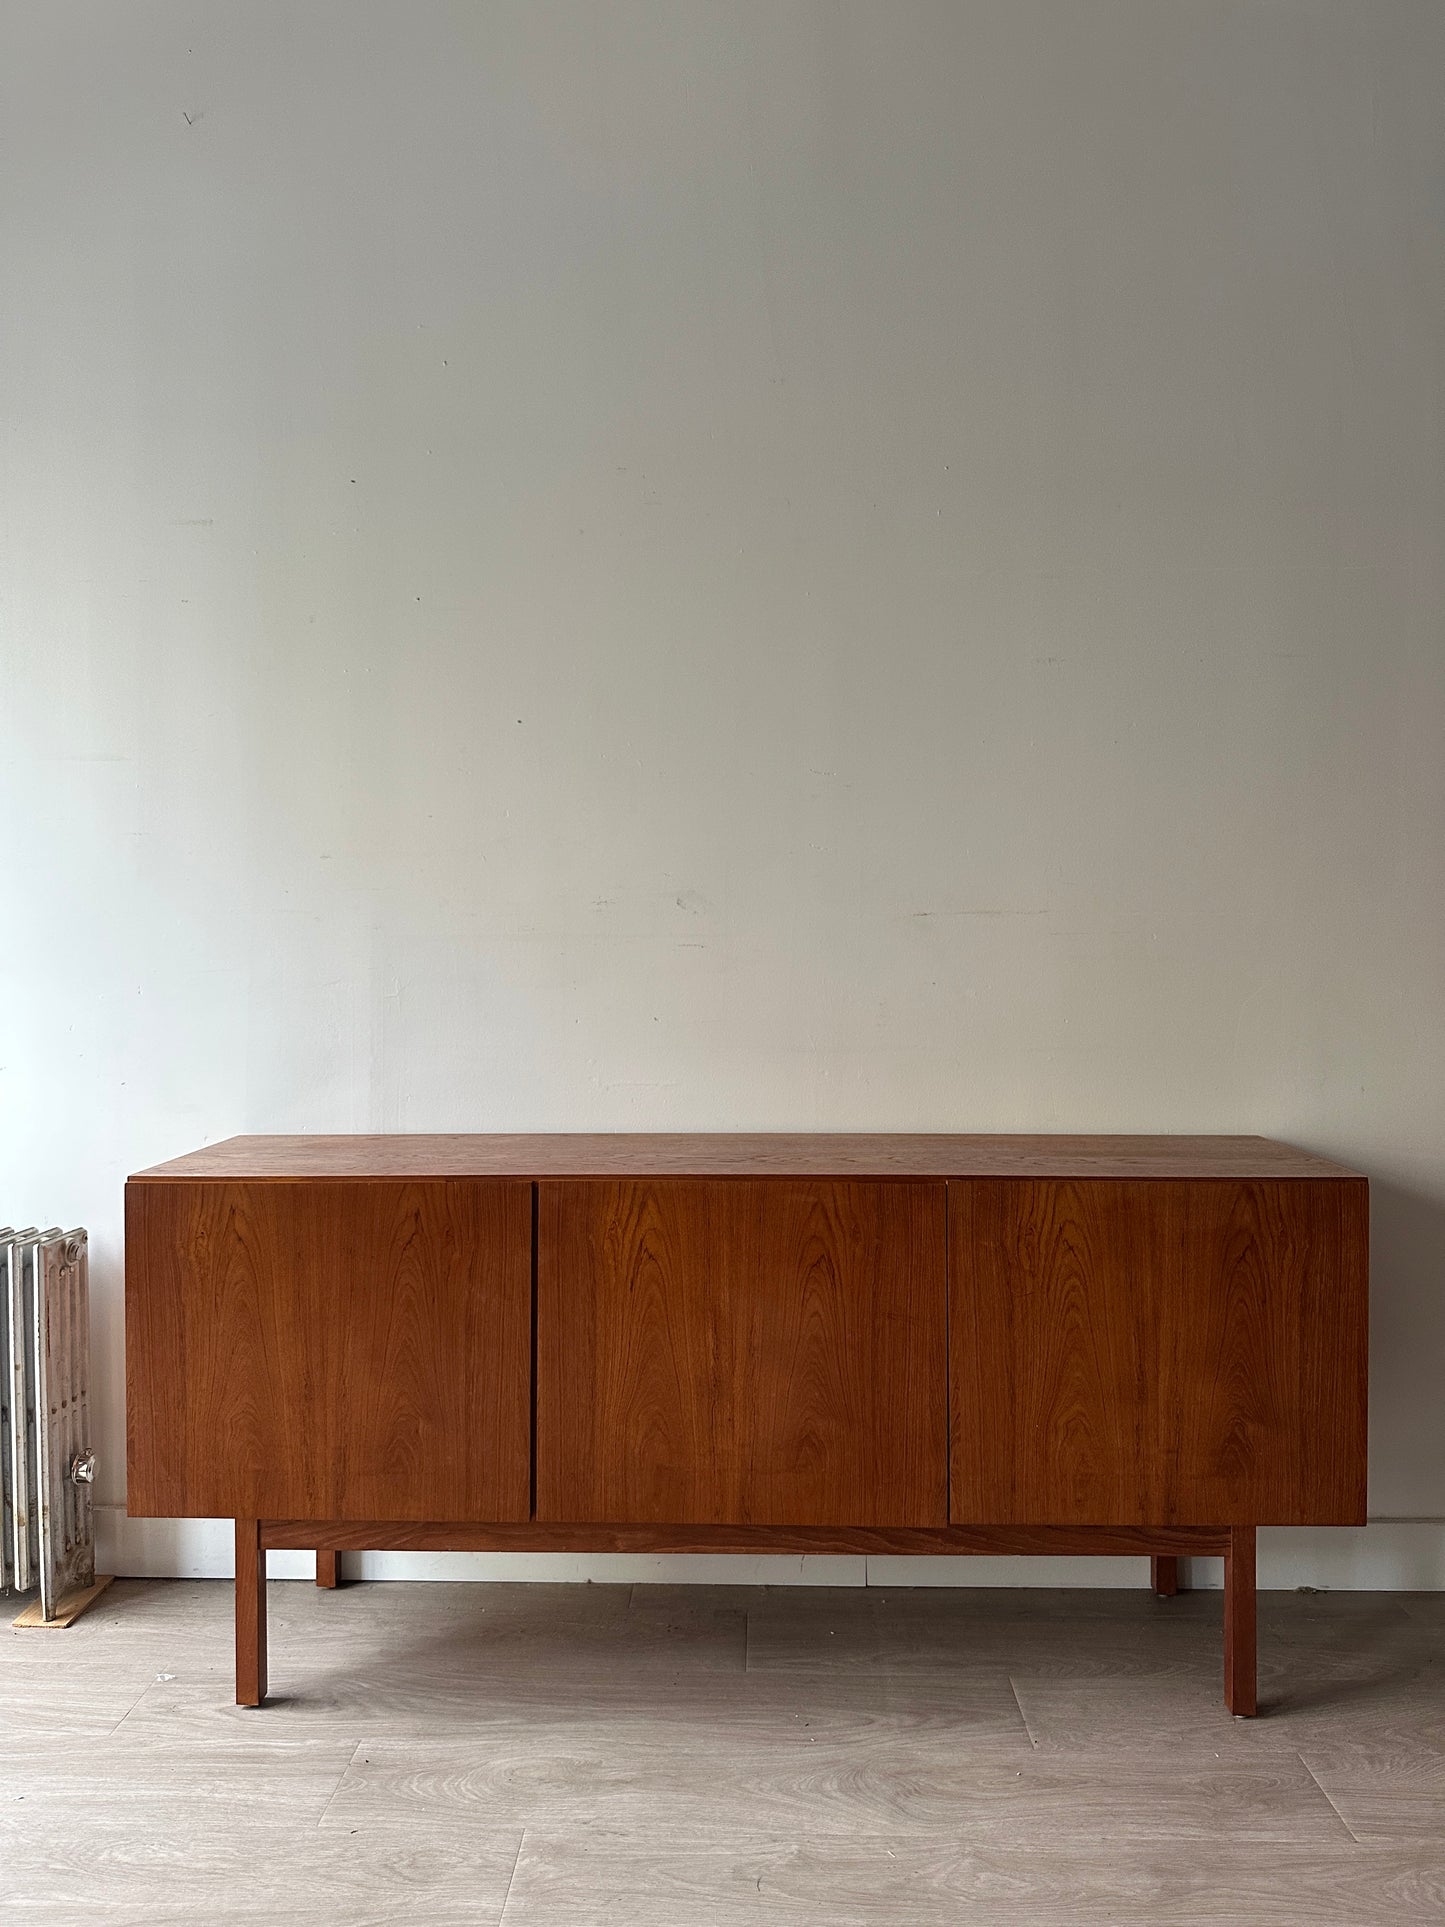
(809,1344)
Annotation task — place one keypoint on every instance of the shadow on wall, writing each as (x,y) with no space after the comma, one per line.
(1407,1349)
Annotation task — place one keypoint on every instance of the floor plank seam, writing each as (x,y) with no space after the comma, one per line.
(506,1897)
(1028,1730)
(1330,1803)
(144,1691)
(340,1782)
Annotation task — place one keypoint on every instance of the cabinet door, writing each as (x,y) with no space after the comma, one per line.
(329,1350)
(1158,1353)
(741,1352)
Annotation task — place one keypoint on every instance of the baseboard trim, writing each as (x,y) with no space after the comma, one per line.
(1389,1555)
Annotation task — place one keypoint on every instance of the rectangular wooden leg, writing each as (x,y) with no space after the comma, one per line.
(1239,1622)
(328,1569)
(250,1614)
(1164,1575)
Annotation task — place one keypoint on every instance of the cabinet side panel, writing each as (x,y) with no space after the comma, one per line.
(155,1364)
(330,1350)
(1158,1353)
(736,1352)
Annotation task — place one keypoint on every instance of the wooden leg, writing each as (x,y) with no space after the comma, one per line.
(250,1614)
(328,1569)
(1164,1575)
(1239,1622)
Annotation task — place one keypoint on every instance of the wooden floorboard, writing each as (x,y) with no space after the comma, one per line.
(227,1868)
(692,1783)
(876,1882)
(546,1756)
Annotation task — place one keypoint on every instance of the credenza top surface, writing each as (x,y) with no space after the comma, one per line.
(744,1155)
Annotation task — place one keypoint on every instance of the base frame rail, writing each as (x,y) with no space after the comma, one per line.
(1164,1546)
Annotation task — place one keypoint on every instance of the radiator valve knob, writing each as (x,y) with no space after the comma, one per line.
(82,1468)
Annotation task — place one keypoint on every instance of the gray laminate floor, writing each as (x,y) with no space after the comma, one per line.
(551,1756)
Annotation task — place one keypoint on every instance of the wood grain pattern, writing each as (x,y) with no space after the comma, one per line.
(1240,1621)
(1140,1804)
(335,1350)
(1102,1342)
(839,1154)
(250,1614)
(67,1610)
(740,1353)
(1164,1353)
(699,1779)
(1391,1793)
(682,1879)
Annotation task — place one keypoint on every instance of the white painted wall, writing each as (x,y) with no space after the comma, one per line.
(732,565)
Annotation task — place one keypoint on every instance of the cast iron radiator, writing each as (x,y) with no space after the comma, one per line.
(47,1530)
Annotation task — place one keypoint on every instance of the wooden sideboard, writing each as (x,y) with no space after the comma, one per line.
(832,1343)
